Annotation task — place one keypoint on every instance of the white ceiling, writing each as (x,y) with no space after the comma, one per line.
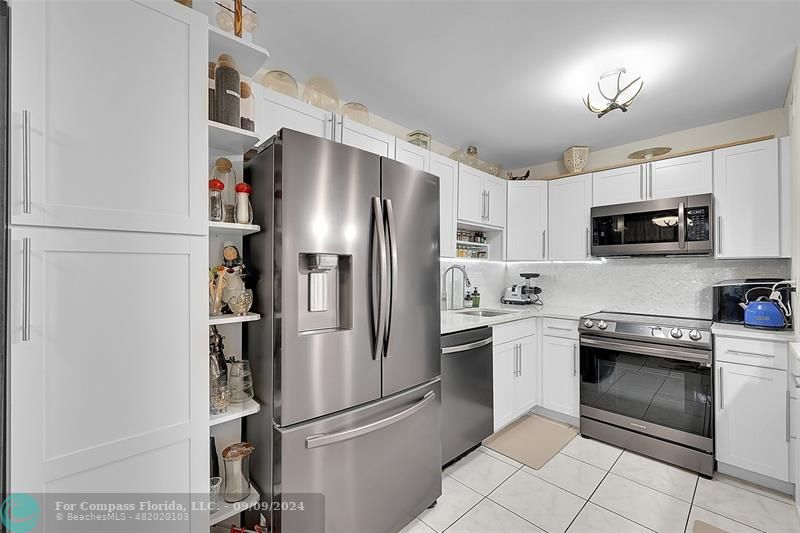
(509,76)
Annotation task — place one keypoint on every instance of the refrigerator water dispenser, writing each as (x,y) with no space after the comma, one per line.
(324,293)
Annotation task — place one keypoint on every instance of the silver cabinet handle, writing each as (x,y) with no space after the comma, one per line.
(379,315)
(681,225)
(392,238)
(519,348)
(788,410)
(574,359)
(516,361)
(26,289)
(752,354)
(544,241)
(721,392)
(322,439)
(488,205)
(650,179)
(466,347)
(642,171)
(719,234)
(26,161)
(483,205)
(587,242)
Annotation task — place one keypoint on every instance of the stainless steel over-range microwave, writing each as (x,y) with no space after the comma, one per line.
(667,226)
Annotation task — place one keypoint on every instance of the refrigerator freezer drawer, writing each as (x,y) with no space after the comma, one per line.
(377,466)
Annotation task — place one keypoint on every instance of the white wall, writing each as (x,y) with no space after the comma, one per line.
(771,122)
(666,286)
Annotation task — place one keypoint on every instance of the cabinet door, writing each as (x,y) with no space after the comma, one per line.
(618,186)
(560,378)
(495,200)
(503,377)
(569,208)
(105,387)
(447,171)
(525,392)
(526,228)
(680,176)
(358,135)
(745,436)
(278,111)
(746,199)
(785,157)
(471,197)
(412,155)
(108,116)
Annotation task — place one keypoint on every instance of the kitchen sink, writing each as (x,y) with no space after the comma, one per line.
(486,312)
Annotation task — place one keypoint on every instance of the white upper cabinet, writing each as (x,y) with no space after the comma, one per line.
(526,230)
(495,200)
(276,111)
(680,176)
(481,197)
(358,135)
(108,116)
(785,154)
(447,171)
(747,200)
(619,185)
(751,416)
(412,155)
(569,213)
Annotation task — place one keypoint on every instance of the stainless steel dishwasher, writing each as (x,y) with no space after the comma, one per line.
(467,404)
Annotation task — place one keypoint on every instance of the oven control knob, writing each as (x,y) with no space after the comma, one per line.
(695,335)
(588,323)
(602,324)
(676,333)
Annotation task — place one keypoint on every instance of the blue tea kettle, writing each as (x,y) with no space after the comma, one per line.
(766,312)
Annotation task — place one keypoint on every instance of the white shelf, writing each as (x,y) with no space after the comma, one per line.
(229,139)
(228,228)
(228,510)
(249,57)
(236,411)
(474,244)
(232,319)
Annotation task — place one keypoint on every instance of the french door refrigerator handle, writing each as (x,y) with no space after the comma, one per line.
(26,289)
(26,161)
(380,321)
(322,439)
(681,225)
(391,228)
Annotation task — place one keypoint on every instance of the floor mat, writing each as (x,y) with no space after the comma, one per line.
(702,527)
(532,440)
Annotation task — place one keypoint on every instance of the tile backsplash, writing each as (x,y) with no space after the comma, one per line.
(664,286)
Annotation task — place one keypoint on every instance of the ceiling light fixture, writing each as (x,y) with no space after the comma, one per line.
(622,98)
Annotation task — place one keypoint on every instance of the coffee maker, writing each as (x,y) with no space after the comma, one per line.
(523,294)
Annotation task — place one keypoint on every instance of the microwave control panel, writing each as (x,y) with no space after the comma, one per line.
(698,225)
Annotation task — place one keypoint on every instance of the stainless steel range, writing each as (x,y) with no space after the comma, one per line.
(646,386)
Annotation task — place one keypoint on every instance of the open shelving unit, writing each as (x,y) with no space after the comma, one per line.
(233,319)
(228,510)
(235,411)
(249,57)
(230,139)
(227,228)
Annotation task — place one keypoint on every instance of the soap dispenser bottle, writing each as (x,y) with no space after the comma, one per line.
(476,298)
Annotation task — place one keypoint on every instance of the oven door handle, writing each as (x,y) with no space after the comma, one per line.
(655,351)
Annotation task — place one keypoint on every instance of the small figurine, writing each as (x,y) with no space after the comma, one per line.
(232,271)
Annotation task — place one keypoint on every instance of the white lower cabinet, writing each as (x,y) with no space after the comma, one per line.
(560,375)
(515,378)
(751,419)
(105,390)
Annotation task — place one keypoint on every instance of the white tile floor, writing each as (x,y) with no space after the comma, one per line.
(591,487)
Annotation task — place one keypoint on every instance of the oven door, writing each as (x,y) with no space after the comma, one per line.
(668,226)
(657,390)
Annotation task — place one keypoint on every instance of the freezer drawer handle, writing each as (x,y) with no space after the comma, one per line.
(465,347)
(321,439)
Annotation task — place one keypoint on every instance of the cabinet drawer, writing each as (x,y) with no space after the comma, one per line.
(560,327)
(512,331)
(751,352)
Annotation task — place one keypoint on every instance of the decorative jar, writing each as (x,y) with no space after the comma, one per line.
(236,459)
(575,158)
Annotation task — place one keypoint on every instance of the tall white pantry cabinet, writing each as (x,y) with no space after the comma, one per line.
(107,349)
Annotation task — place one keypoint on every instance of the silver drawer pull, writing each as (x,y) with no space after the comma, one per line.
(26,289)
(559,328)
(315,441)
(721,392)
(753,354)
(26,161)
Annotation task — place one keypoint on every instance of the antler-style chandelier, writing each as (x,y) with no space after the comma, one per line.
(623,97)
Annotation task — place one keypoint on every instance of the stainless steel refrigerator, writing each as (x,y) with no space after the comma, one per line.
(346,358)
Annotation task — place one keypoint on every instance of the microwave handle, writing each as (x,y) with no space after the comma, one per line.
(681,225)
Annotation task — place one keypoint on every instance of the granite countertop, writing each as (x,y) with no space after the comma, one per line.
(452,321)
(738,330)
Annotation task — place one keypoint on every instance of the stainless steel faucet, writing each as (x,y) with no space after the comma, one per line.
(458,303)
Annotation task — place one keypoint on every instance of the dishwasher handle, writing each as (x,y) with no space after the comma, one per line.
(466,347)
